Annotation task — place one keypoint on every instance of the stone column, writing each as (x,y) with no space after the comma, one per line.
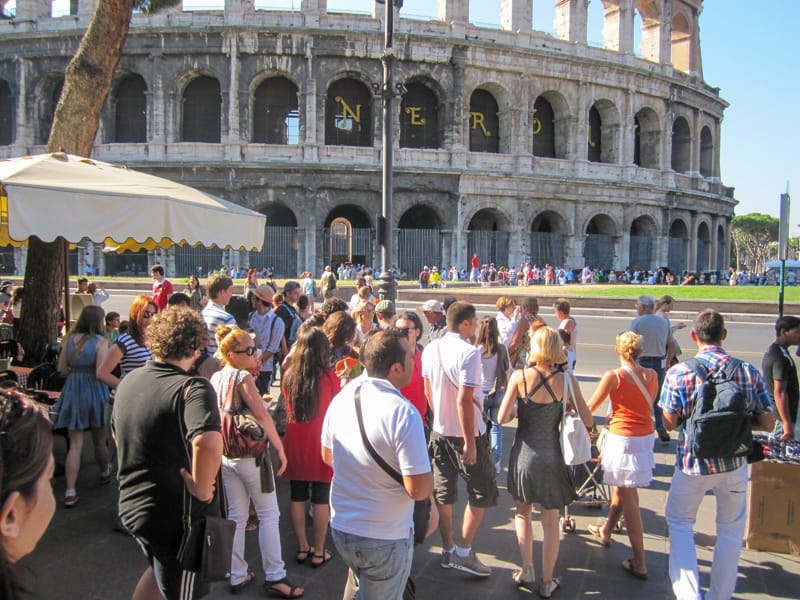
(233,137)
(618,26)
(712,254)
(454,11)
(570,20)
(665,34)
(454,130)
(33,10)
(236,11)
(516,15)
(580,133)
(694,145)
(666,139)
(628,134)
(318,7)
(691,259)
(24,133)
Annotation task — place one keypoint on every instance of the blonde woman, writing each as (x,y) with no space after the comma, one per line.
(627,460)
(536,471)
(363,315)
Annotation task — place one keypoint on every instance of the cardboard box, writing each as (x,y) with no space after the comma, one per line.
(773,522)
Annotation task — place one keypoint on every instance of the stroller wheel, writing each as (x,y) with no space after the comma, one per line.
(567,524)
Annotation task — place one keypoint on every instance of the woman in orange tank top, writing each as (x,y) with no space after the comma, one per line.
(627,456)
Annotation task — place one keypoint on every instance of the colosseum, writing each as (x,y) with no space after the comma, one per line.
(510,143)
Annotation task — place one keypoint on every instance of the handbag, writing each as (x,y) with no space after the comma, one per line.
(575,443)
(207,543)
(242,434)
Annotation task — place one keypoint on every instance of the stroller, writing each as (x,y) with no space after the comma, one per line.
(589,486)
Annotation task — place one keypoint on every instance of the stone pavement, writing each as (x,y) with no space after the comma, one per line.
(80,557)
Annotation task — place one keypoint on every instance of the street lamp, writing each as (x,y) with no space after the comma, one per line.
(387,284)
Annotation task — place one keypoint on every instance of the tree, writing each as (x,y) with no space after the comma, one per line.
(87,82)
(755,235)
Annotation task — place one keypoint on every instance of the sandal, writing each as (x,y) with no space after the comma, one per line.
(302,555)
(317,560)
(525,577)
(271,589)
(70,500)
(235,589)
(597,531)
(629,564)
(546,588)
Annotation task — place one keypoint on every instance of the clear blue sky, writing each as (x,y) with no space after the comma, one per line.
(751,56)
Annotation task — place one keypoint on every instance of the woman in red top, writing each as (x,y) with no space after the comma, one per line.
(627,456)
(309,385)
(414,392)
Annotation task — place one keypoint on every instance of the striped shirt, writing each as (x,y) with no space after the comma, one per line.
(678,397)
(133,355)
(215,315)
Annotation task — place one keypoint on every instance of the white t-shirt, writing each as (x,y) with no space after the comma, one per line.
(365,500)
(448,361)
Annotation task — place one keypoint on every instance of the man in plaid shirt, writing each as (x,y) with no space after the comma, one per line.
(693,477)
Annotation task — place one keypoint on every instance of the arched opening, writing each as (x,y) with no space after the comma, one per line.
(348,114)
(650,45)
(598,249)
(419,118)
(642,243)
(130,111)
(6,114)
(276,117)
(603,142)
(544,131)
(348,237)
(547,241)
(706,152)
(487,236)
(46,101)
(595,136)
(484,123)
(202,108)
(681,146)
(282,241)
(647,140)
(419,240)
(681,43)
(722,260)
(703,248)
(678,246)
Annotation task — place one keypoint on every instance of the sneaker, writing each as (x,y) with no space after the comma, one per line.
(498,467)
(469,564)
(445,564)
(663,435)
(70,500)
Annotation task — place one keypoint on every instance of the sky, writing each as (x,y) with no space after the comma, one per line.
(751,57)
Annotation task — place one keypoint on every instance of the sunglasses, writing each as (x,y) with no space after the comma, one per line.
(250,350)
(147,314)
(407,330)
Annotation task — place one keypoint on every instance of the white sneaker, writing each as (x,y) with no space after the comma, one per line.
(498,467)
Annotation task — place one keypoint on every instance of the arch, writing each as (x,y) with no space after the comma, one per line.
(202,109)
(420,216)
(348,236)
(276,115)
(47,95)
(419,117)
(419,240)
(547,238)
(348,113)
(544,131)
(561,117)
(484,122)
(603,134)
(722,260)
(650,42)
(598,249)
(6,114)
(706,152)
(681,146)
(647,139)
(130,110)
(678,246)
(488,236)
(703,247)
(643,234)
(279,215)
(681,42)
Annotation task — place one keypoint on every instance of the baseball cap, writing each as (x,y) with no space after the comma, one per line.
(290,286)
(432,306)
(385,306)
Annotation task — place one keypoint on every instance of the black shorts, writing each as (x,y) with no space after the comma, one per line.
(173,581)
(481,479)
(320,491)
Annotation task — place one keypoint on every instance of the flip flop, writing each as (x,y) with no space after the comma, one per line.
(235,589)
(597,531)
(320,559)
(302,555)
(627,564)
(272,591)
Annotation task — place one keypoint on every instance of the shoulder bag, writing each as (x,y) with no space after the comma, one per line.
(575,443)
(207,543)
(242,434)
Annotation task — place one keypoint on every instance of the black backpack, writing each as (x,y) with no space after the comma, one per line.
(719,426)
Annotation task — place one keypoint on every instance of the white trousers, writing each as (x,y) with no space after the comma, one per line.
(242,480)
(685,495)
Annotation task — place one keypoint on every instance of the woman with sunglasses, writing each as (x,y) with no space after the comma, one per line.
(242,477)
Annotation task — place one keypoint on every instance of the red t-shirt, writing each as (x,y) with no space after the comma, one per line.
(302,442)
(475,262)
(161,292)
(415,390)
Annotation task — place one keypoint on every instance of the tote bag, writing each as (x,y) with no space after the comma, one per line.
(575,443)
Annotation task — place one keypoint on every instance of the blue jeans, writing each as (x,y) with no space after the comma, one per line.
(382,566)
(491,403)
(657,364)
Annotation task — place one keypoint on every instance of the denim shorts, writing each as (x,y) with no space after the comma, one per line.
(481,479)
(173,582)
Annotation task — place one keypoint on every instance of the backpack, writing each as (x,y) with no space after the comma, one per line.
(719,426)
(330,284)
(423,277)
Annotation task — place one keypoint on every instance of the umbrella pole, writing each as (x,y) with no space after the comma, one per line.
(66,284)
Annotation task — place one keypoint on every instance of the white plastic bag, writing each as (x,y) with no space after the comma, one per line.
(575,443)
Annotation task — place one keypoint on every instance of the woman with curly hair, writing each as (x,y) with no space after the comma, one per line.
(309,386)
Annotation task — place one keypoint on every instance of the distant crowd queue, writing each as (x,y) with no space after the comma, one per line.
(375,430)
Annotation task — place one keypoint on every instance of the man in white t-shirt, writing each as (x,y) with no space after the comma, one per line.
(372,512)
(451,368)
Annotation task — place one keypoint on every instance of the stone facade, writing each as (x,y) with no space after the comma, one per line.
(193,89)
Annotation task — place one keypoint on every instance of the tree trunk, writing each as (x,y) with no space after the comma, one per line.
(87,82)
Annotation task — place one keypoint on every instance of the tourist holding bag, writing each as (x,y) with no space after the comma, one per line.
(246,469)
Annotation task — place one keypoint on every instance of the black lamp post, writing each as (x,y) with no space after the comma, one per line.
(387,284)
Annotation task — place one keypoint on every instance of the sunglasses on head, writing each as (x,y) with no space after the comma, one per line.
(250,350)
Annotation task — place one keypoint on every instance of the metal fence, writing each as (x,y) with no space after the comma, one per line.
(598,251)
(703,255)
(490,246)
(201,260)
(359,248)
(547,248)
(641,252)
(279,252)
(676,260)
(418,248)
